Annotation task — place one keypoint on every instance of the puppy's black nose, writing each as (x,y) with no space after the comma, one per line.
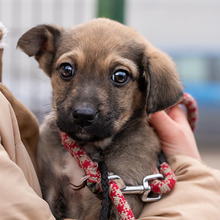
(84,116)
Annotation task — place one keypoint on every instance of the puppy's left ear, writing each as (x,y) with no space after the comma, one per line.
(165,88)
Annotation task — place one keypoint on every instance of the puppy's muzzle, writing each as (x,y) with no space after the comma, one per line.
(84,116)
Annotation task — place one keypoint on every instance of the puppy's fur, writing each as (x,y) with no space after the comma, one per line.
(118,78)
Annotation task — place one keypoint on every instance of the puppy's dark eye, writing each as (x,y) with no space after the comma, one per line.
(120,77)
(66,71)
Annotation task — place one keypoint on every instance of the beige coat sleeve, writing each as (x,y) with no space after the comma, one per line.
(196,194)
(20,195)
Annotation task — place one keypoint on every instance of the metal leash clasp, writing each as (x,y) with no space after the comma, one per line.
(144,189)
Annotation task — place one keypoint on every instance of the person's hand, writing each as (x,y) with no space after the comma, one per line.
(175,133)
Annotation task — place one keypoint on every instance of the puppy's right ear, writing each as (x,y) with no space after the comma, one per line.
(41,42)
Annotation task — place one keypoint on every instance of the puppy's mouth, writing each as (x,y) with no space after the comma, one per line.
(96,131)
(84,136)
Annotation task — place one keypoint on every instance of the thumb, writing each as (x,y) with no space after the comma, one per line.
(161,122)
(178,115)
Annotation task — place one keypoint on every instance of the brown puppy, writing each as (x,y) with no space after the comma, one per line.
(106,80)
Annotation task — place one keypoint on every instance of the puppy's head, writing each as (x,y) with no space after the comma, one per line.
(104,75)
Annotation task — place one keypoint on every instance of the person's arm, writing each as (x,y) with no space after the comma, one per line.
(20,195)
(17,199)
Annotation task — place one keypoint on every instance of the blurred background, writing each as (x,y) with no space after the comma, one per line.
(188,31)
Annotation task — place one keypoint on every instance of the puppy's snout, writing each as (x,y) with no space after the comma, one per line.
(84,116)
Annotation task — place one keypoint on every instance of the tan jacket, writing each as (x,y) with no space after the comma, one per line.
(20,194)
(195,196)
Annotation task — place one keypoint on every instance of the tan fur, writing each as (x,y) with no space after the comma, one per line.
(119,132)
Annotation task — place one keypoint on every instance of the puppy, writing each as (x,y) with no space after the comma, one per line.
(106,80)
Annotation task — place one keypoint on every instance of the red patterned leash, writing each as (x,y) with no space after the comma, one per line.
(192,110)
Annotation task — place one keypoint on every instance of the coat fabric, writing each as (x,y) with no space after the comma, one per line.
(20,194)
(195,196)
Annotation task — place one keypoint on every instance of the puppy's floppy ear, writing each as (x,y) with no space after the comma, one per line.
(41,42)
(165,88)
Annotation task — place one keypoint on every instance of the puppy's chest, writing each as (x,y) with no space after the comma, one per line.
(132,161)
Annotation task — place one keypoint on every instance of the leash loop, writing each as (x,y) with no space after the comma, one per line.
(165,185)
(147,184)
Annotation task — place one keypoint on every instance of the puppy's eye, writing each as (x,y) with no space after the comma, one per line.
(66,71)
(120,77)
